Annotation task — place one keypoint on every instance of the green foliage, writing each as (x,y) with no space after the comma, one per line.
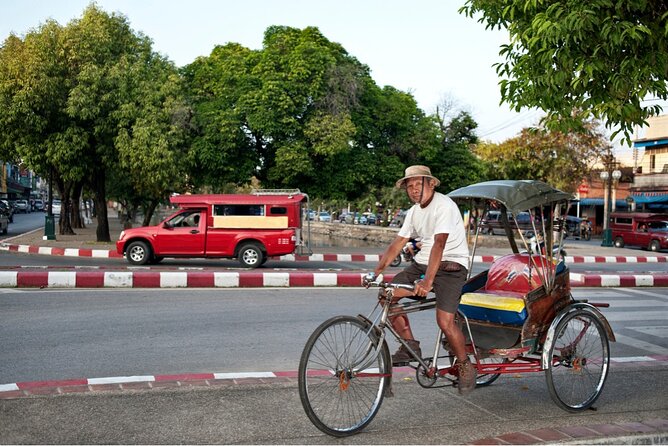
(600,56)
(454,163)
(91,98)
(94,102)
(301,113)
(560,159)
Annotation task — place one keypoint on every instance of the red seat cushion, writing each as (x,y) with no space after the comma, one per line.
(511,274)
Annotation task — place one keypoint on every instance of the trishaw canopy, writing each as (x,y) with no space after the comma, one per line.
(515,195)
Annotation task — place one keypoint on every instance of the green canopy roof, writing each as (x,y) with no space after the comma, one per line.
(515,195)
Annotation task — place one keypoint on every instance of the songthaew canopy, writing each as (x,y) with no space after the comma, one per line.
(515,195)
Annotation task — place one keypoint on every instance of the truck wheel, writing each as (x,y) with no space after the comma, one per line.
(138,253)
(653,245)
(619,242)
(250,255)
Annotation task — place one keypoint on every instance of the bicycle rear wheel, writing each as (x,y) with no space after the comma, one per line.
(343,374)
(580,358)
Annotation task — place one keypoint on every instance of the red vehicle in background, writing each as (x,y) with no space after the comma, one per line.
(643,229)
(248,227)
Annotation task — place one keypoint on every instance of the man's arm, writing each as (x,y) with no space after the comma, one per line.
(390,254)
(425,285)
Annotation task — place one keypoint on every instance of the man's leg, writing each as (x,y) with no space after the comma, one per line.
(403,328)
(446,322)
(467,373)
(400,322)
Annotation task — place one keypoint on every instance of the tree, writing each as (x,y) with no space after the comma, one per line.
(455,164)
(560,159)
(599,56)
(300,112)
(88,99)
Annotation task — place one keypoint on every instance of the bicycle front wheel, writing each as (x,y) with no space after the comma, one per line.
(343,374)
(580,361)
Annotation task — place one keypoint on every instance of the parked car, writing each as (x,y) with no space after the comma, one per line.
(38,205)
(55,207)
(311,214)
(324,216)
(353,218)
(21,206)
(492,224)
(398,219)
(369,218)
(642,229)
(4,219)
(7,208)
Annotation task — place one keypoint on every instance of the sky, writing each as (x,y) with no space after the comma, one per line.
(424,47)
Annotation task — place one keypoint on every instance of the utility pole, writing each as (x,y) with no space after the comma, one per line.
(609,176)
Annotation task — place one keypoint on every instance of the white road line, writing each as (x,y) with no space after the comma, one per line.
(637,343)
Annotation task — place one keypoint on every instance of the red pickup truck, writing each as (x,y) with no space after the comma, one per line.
(643,229)
(249,227)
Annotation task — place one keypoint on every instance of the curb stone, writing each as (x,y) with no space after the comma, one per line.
(252,279)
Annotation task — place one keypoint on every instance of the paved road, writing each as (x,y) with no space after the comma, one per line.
(25,223)
(61,334)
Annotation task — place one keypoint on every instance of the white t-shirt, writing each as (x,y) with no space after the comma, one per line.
(441,216)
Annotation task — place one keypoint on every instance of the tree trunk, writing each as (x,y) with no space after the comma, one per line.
(77,221)
(64,222)
(148,212)
(101,208)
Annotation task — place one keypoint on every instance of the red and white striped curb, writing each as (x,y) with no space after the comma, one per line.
(254,279)
(176,279)
(57,386)
(67,252)
(104,254)
(619,280)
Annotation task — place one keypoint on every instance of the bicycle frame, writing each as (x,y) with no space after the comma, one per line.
(516,359)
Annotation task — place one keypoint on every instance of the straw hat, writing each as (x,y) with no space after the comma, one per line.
(417,171)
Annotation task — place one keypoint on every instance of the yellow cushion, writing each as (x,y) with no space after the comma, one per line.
(493,301)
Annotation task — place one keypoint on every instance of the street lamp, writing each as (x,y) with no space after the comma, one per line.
(608,177)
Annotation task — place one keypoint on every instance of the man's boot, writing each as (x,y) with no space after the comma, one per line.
(403,356)
(467,376)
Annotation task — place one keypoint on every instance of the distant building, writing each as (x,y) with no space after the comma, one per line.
(649,190)
(15,183)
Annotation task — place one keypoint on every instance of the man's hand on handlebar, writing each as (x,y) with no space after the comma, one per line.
(421,289)
(371,279)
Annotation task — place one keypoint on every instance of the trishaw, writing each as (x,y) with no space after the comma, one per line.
(518,317)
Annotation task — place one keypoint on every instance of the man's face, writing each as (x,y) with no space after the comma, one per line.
(416,192)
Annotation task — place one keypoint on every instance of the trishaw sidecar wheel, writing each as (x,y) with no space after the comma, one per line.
(343,375)
(485,379)
(580,361)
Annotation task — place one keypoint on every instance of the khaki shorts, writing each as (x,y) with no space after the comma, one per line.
(448,283)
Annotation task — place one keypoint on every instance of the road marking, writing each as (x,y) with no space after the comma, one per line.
(637,316)
(637,343)
(120,379)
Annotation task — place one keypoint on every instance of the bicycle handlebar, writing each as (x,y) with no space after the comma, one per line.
(391,285)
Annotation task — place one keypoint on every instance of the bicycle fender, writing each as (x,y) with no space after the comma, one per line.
(549,340)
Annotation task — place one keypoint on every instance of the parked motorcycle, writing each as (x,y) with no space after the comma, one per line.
(407,253)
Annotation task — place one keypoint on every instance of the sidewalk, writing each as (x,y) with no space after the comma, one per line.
(260,410)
